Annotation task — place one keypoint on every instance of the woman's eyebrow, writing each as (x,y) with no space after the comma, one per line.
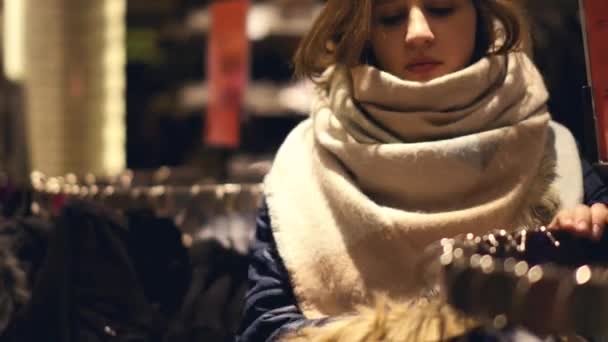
(384,2)
(441,2)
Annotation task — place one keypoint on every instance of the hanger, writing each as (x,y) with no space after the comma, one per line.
(177,202)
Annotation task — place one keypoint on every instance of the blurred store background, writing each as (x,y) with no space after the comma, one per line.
(164,113)
(104,85)
(112,84)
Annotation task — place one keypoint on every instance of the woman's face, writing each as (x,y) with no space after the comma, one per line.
(419,40)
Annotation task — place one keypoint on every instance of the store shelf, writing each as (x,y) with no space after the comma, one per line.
(264,20)
(262,99)
(168,96)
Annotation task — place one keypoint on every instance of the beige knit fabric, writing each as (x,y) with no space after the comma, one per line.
(385,166)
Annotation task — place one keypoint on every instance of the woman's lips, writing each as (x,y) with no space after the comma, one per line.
(423,67)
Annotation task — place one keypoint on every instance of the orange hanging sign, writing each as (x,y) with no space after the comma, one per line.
(594,14)
(227,70)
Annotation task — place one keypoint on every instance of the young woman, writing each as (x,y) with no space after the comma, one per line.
(428,122)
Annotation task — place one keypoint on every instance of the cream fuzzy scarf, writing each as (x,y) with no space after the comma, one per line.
(385,166)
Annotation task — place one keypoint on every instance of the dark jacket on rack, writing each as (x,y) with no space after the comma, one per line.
(90,286)
(271,308)
(95,274)
(23,243)
(212,306)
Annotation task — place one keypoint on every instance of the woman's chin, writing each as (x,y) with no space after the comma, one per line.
(422,78)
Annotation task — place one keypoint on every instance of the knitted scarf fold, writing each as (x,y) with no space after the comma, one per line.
(383,167)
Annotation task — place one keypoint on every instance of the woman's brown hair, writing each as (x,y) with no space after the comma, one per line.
(340,34)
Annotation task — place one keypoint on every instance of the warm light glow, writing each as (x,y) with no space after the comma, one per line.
(114,130)
(64,95)
(14,39)
(114,109)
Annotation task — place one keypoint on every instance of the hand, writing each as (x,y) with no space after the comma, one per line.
(583,220)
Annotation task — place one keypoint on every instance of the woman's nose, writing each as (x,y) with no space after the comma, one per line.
(419,32)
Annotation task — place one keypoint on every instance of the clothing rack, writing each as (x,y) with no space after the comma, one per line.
(128,257)
(50,193)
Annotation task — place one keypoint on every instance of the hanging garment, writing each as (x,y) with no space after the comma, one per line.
(22,250)
(88,289)
(14,291)
(212,307)
(160,260)
(97,275)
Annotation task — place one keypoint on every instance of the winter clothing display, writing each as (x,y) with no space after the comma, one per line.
(95,272)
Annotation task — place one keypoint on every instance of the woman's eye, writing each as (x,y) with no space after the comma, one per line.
(440,11)
(392,20)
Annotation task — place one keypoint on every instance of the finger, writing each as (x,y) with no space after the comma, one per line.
(582,218)
(599,214)
(563,220)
